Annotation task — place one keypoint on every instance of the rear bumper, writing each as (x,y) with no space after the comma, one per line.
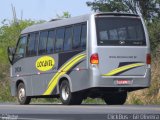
(109,81)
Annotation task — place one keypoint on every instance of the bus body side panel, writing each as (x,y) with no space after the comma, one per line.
(39,83)
(79,77)
(18,73)
(40,79)
(68,62)
(36,81)
(14,86)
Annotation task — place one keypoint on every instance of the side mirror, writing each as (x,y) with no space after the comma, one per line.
(11,52)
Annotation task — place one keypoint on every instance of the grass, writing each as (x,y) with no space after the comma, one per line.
(93,101)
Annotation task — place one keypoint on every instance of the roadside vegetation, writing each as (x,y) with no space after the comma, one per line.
(10,31)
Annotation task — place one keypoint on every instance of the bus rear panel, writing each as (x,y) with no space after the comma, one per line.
(120,45)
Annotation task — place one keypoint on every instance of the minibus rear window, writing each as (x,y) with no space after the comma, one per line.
(120,31)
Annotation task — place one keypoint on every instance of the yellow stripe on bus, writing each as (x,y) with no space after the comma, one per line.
(52,84)
(123,68)
(63,67)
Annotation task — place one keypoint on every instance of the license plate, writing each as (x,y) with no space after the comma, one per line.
(123,82)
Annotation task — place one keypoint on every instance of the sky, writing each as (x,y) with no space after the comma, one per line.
(42,9)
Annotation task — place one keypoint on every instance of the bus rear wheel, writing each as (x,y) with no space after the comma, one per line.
(21,94)
(67,97)
(118,98)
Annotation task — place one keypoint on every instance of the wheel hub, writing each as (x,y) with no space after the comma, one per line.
(65,92)
(21,94)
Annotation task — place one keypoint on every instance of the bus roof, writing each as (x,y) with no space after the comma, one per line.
(57,23)
(69,21)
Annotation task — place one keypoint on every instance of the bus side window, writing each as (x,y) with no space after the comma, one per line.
(76,36)
(50,42)
(84,36)
(21,48)
(42,42)
(36,42)
(31,45)
(59,39)
(68,39)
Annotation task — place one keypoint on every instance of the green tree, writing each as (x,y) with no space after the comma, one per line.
(65,15)
(149,8)
(107,5)
(9,34)
(154,34)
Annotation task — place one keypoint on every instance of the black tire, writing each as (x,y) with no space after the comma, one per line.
(118,98)
(21,95)
(67,97)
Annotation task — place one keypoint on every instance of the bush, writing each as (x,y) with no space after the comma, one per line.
(154,36)
(150,95)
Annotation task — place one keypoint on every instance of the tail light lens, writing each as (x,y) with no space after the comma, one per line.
(94,59)
(148,59)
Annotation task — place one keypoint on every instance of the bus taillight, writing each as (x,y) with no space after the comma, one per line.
(94,59)
(148,59)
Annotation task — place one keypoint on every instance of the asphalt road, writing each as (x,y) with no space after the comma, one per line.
(84,112)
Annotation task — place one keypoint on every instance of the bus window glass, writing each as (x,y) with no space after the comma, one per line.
(131,32)
(84,36)
(50,43)
(118,30)
(122,32)
(103,35)
(139,32)
(31,45)
(68,39)
(21,48)
(76,36)
(113,34)
(59,39)
(36,42)
(42,42)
